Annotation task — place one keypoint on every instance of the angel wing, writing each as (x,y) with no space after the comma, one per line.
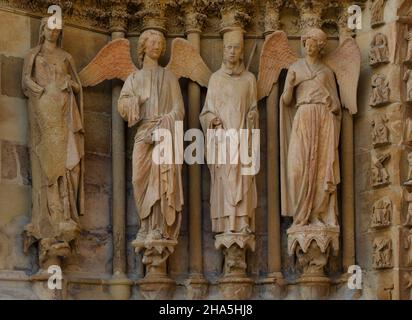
(276,55)
(345,62)
(185,61)
(113,61)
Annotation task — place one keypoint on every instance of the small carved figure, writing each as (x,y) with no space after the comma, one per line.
(408,38)
(408,198)
(380,132)
(382,253)
(381,213)
(51,83)
(379,52)
(380,175)
(380,90)
(408,247)
(407,77)
(408,181)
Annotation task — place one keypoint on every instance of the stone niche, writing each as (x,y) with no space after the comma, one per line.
(380,178)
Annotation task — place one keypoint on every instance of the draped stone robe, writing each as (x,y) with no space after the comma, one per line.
(231,96)
(146,97)
(56,140)
(309,148)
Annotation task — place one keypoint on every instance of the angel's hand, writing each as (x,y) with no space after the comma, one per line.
(216,122)
(35,88)
(291,79)
(149,137)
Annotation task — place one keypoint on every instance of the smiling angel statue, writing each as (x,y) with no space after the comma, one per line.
(151,99)
(317,87)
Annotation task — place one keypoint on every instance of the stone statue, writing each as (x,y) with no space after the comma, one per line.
(379,52)
(407,77)
(151,99)
(377,11)
(380,90)
(310,120)
(51,83)
(231,104)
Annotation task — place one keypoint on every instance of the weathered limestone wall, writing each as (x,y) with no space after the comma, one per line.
(88,271)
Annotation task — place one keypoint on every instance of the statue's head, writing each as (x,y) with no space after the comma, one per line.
(233,47)
(152,43)
(314,41)
(51,35)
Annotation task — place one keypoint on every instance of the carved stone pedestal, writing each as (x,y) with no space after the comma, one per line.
(51,252)
(41,282)
(312,246)
(197,287)
(235,284)
(156,284)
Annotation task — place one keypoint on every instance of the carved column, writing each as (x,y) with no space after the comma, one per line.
(347,166)
(197,285)
(120,285)
(275,278)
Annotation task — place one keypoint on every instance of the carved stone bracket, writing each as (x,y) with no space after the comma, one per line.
(312,246)
(303,236)
(156,283)
(235,284)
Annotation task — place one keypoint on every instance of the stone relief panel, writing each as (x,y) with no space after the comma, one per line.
(382,253)
(379,173)
(380,132)
(379,52)
(381,213)
(380,91)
